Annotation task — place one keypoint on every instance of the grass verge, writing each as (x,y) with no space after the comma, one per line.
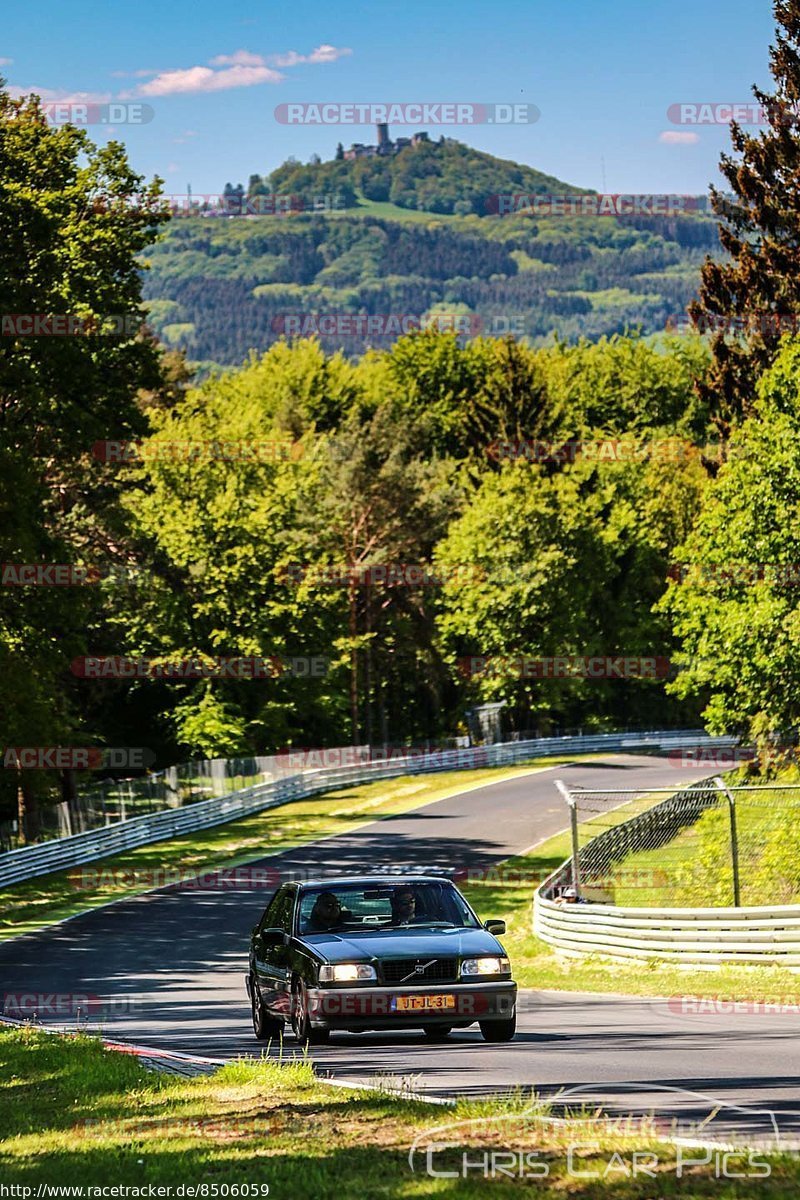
(507,892)
(73,1113)
(38,902)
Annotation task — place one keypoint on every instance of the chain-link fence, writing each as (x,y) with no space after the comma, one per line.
(112,800)
(708,845)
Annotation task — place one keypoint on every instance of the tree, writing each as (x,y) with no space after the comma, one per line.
(747,301)
(73,222)
(567,564)
(381,505)
(225,529)
(735,603)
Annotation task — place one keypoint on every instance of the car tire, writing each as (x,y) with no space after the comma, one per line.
(303,1030)
(437,1033)
(265,1027)
(499,1031)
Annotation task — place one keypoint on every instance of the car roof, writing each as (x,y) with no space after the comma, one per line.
(371,881)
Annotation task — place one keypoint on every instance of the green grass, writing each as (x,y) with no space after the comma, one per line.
(507,893)
(73,1113)
(50,898)
(391,212)
(616,297)
(694,869)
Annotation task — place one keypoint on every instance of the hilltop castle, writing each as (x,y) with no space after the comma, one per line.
(385,146)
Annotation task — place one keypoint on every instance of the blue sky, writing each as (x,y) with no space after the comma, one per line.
(602,75)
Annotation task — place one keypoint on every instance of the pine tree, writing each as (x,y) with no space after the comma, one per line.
(748,302)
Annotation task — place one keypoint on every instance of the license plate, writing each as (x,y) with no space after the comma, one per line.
(415,1003)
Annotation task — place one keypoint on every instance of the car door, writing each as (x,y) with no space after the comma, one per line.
(271,951)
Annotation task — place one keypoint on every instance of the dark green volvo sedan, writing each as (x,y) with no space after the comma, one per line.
(381,953)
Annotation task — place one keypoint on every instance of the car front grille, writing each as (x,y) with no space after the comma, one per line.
(403,970)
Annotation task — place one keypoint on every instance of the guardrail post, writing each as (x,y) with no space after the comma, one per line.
(573,825)
(737,896)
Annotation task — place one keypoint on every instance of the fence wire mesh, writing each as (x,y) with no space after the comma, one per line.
(708,845)
(112,800)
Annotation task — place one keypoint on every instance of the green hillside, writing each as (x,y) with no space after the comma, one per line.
(441,177)
(409,235)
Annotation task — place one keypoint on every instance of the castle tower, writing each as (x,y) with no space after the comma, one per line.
(384,141)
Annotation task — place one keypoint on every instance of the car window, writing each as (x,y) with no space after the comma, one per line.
(279,911)
(382,906)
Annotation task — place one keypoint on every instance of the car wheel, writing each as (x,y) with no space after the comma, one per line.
(437,1033)
(499,1031)
(264,1026)
(304,1031)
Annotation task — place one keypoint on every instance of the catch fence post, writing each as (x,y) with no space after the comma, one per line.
(573,825)
(737,895)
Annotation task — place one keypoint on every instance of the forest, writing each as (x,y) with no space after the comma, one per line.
(219,539)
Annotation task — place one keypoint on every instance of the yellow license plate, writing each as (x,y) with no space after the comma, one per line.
(414,1003)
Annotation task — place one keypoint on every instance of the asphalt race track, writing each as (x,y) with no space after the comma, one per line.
(167,970)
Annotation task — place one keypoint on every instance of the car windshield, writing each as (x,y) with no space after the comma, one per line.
(383,906)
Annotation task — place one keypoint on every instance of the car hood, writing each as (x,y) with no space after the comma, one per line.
(405,943)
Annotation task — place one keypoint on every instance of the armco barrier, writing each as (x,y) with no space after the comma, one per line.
(685,935)
(63,853)
(713,936)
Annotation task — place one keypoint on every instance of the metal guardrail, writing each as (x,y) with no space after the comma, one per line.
(686,935)
(43,858)
(764,934)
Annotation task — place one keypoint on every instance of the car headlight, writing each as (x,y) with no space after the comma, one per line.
(346,972)
(486,966)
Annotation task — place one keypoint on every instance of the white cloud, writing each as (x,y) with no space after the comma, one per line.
(241,58)
(204,79)
(59,95)
(322,54)
(6,62)
(678,137)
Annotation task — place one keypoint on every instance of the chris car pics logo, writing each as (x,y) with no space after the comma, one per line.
(605,1147)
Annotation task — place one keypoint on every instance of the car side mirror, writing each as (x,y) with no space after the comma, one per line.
(274,937)
(497,927)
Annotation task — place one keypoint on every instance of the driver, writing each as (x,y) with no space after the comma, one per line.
(404,907)
(326,913)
